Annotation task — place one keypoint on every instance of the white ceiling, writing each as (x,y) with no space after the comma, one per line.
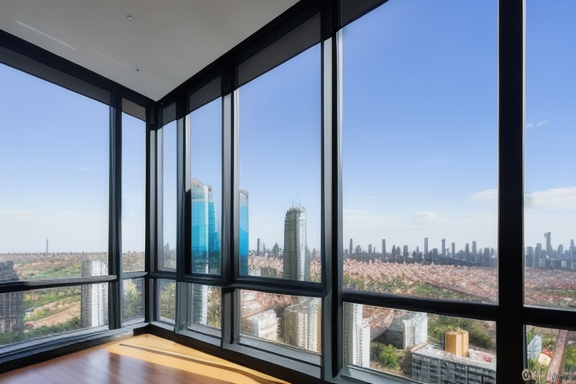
(167,42)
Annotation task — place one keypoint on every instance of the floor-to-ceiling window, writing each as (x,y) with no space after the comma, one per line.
(54,167)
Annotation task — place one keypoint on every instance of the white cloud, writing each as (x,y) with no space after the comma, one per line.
(538,124)
(557,198)
(426,215)
(486,195)
(83,169)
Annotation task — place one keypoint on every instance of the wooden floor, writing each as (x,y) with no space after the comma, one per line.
(137,360)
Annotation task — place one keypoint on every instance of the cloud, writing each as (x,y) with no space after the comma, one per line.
(426,215)
(557,198)
(486,195)
(83,169)
(538,124)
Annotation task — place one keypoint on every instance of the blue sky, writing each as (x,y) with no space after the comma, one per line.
(419,139)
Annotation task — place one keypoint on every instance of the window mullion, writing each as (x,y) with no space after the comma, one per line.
(510,329)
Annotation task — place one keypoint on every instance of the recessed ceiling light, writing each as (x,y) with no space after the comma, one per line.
(130,18)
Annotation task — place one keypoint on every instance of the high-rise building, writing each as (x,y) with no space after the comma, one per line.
(549,250)
(425,246)
(383,247)
(205,234)
(296,259)
(351,249)
(302,324)
(94,297)
(357,336)
(199,303)
(443,247)
(453,249)
(12,303)
(262,324)
(243,233)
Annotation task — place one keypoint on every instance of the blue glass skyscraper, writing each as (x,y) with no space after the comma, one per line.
(205,234)
(243,233)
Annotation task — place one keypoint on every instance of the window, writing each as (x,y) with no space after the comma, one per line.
(280,131)
(206,186)
(419,150)
(550,180)
(54,206)
(167,260)
(133,196)
(54,167)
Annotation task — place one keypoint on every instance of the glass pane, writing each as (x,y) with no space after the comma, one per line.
(289,320)
(205,309)
(169,197)
(551,355)
(44,312)
(167,293)
(419,148)
(206,155)
(54,167)
(132,300)
(424,347)
(133,193)
(550,134)
(280,131)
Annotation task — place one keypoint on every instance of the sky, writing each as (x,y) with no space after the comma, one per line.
(419,139)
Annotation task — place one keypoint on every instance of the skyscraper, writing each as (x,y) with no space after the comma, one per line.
(548,236)
(357,335)
(425,246)
(296,259)
(11,304)
(205,235)
(94,297)
(243,233)
(302,324)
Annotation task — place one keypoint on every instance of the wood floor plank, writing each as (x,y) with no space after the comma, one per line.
(142,359)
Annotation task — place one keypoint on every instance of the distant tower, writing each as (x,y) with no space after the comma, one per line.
(474,249)
(453,249)
(243,233)
(383,247)
(351,249)
(369,248)
(443,247)
(296,259)
(357,336)
(548,236)
(46,246)
(205,236)
(425,246)
(258,247)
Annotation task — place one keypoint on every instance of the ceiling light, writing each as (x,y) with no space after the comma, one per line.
(130,18)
